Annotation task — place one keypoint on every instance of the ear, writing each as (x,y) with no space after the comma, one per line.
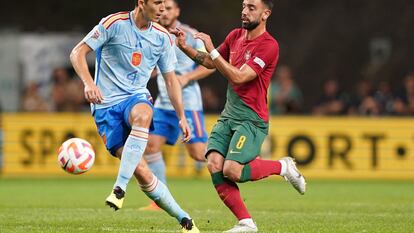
(266,14)
(178,12)
(141,2)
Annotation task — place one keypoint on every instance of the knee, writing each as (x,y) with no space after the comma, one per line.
(141,120)
(232,172)
(197,155)
(214,164)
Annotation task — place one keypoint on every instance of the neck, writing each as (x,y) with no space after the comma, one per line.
(140,20)
(259,30)
(173,25)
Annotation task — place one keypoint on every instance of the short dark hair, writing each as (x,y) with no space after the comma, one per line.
(269,3)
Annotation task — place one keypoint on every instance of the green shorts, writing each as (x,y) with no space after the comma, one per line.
(237,141)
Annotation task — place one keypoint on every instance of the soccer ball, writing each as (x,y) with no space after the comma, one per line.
(76,156)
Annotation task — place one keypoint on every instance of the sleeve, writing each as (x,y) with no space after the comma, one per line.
(224,48)
(98,36)
(168,59)
(263,56)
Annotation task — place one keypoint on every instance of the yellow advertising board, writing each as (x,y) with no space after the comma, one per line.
(346,148)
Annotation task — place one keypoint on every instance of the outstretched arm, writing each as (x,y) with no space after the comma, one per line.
(200,57)
(79,63)
(233,74)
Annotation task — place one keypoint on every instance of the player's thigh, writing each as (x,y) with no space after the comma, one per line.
(155,143)
(197,150)
(245,144)
(111,128)
(220,138)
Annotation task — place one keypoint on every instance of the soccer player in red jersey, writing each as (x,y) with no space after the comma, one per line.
(247,58)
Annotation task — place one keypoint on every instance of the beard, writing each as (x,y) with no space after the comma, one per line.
(251,25)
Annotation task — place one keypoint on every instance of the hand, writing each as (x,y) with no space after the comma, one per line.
(180,37)
(93,94)
(184,80)
(206,39)
(185,129)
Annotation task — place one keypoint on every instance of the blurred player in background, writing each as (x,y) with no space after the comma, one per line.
(247,58)
(128,46)
(166,127)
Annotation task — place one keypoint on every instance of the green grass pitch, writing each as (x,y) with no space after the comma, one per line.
(76,205)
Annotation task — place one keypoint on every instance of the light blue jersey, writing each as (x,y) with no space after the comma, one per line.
(126,56)
(191,93)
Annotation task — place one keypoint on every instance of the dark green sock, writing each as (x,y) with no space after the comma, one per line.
(218,178)
(246,174)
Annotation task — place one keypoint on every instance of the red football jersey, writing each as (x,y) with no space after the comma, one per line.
(261,54)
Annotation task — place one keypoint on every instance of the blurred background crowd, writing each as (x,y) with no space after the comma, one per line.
(337,58)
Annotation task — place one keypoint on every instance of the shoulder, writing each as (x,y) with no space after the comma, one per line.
(269,41)
(236,33)
(267,44)
(114,19)
(162,31)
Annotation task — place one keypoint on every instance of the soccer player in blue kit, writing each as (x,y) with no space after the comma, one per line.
(166,129)
(128,46)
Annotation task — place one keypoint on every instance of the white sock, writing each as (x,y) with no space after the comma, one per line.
(283,167)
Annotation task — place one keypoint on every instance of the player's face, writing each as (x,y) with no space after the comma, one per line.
(253,14)
(171,14)
(153,9)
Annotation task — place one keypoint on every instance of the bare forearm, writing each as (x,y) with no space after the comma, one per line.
(174,92)
(230,72)
(201,58)
(200,73)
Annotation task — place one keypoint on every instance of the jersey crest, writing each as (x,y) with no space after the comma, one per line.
(136,58)
(247,55)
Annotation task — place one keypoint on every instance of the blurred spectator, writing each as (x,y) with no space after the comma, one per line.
(60,79)
(384,97)
(211,102)
(404,103)
(286,98)
(67,92)
(333,101)
(363,101)
(32,101)
(75,99)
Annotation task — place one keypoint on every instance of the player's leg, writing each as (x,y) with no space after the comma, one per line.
(165,131)
(159,193)
(139,117)
(153,155)
(227,190)
(197,151)
(243,165)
